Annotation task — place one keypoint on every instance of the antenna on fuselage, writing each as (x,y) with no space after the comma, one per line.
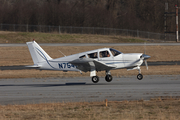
(62,53)
(144,47)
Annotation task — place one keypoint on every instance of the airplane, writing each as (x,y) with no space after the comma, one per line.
(104,59)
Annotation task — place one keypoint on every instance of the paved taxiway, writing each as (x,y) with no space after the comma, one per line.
(32,90)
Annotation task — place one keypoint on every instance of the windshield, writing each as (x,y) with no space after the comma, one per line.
(114,52)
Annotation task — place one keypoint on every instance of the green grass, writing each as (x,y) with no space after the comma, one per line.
(23,37)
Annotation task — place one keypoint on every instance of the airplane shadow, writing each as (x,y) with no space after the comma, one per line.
(54,85)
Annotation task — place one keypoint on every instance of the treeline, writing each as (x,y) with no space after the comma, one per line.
(145,15)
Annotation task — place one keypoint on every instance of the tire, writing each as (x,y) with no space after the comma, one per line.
(95,79)
(108,78)
(139,76)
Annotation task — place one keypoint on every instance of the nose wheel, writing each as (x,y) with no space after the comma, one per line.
(95,79)
(139,76)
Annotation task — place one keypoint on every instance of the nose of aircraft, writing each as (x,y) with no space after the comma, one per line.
(146,56)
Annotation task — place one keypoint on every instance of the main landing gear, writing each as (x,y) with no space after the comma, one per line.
(108,78)
(95,79)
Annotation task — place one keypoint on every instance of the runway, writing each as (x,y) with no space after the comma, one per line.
(32,90)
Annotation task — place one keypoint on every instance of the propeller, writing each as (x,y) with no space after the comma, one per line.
(146,64)
(145,57)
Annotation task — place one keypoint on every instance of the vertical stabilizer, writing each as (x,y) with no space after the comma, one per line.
(37,53)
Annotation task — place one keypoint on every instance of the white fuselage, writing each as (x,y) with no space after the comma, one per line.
(120,61)
(104,59)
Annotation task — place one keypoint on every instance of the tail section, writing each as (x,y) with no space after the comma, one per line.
(37,53)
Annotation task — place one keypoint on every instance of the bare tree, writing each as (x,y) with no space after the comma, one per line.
(144,15)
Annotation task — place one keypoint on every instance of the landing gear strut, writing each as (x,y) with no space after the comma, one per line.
(95,79)
(139,76)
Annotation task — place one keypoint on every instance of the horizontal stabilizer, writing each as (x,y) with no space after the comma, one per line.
(33,66)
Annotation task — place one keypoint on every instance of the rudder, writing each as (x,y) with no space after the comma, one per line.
(37,53)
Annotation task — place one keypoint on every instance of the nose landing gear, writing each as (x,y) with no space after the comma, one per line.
(139,76)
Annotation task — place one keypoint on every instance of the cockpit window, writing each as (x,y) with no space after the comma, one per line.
(114,52)
(103,54)
(92,55)
(83,56)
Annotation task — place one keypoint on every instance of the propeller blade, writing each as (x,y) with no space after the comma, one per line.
(145,57)
(146,64)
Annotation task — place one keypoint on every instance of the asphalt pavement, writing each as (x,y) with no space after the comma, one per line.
(45,90)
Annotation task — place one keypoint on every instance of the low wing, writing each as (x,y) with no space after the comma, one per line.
(86,64)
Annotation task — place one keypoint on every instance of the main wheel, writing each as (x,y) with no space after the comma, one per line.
(108,78)
(95,79)
(139,76)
